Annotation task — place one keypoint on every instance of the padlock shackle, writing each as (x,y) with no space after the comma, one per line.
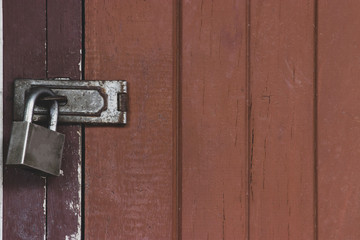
(29,108)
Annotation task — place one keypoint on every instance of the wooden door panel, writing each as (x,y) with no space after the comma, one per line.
(243,120)
(246,139)
(24,57)
(42,40)
(281,128)
(213,120)
(64,54)
(129,183)
(338,120)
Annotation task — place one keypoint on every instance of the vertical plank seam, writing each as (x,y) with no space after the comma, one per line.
(82,211)
(249,115)
(1,119)
(46,41)
(316,25)
(82,41)
(46,76)
(177,178)
(45,205)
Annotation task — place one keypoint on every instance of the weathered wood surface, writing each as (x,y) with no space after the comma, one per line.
(129,170)
(250,120)
(247,119)
(64,46)
(24,57)
(40,43)
(281,130)
(213,120)
(338,120)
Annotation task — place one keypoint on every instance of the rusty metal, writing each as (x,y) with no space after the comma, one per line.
(55,98)
(90,102)
(44,101)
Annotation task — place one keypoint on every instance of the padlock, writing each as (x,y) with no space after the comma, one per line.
(34,146)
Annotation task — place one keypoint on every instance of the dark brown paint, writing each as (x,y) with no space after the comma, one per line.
(32,52)
(213,123)
(24,57)
(338,120)
(64,46)
(250,119)
(129,184)
(281,120)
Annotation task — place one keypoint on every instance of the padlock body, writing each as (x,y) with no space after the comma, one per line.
(36,147)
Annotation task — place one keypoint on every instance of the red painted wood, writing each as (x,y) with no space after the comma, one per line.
(64,37)
(281,129)
(129,170)
(213,123)
(338,120)
(24,57)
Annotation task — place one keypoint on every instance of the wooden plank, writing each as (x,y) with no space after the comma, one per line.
(213,102)
(64,44)
(128,170)
(24,57)
(338,120)
(282,120)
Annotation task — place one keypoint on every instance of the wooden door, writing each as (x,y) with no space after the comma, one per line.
(42,39)
(243,124)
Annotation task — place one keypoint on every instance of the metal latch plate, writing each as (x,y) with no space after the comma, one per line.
(90,102)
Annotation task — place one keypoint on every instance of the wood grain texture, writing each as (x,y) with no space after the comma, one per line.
(281,120)
(64,44)
(128,170)
(338,120)
(213,110)
(24,57)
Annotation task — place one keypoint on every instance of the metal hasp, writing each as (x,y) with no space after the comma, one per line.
(90,102)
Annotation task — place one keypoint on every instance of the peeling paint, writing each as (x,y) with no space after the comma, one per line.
(74,236)
(80,62)
(79,192)
(44,208)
